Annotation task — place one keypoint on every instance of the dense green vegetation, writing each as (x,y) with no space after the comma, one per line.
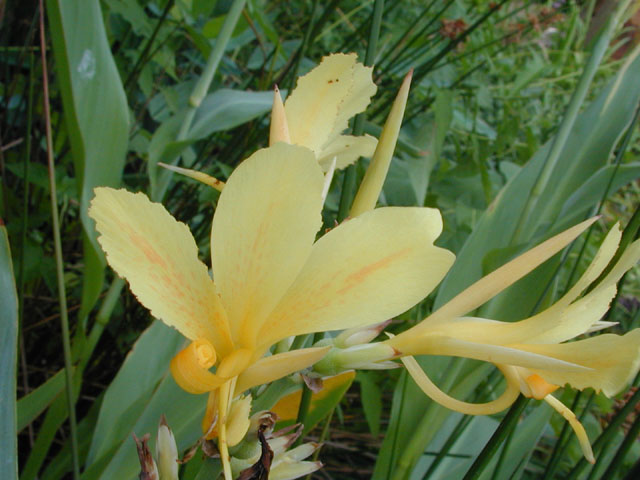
(521,121)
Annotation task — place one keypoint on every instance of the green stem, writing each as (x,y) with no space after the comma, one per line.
(102,319)
(560,139)
(506,426)
(62,296)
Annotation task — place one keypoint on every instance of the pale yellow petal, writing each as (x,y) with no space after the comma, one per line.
(238,420)
(517,355)
(358,98)
(366,270)
(159,258)
(604,255)
(550,326)
(495,282)
(269,369)
(347,149)
(613,361)
(263,231)
(432,391)
(323,101)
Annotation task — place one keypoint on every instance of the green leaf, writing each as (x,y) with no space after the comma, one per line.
(33,404)
(371,398)
(8,360)
(130,391)
(96,115)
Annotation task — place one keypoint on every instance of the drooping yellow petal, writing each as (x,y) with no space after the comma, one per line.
(269,369)
(159,258)
(495,282)
(346,149)
(263,231)
(577,427)
(501,403)
(366,270)
(373,180)
(319,108)
(612,360)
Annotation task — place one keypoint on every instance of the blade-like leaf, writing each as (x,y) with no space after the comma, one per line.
(96,115)
(33,404)
(8,360)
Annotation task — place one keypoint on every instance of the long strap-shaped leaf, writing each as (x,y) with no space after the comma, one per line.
(8,356)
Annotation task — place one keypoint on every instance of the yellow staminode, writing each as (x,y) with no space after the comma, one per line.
(530,352)
(319,108)
(272,279)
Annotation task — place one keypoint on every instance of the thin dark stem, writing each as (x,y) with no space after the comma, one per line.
(508,423)
(62,296)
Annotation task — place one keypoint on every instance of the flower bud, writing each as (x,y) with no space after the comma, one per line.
(373,356)
(166,452)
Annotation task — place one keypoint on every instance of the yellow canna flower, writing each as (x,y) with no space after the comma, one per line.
(319,108)
(530,352)
(270,280)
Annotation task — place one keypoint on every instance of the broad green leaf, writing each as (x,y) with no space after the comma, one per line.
(590,192)
(130,391)
(34,403)
(428,138)
(96,115)
(8,360)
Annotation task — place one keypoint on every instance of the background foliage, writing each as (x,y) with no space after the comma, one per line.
(491,91)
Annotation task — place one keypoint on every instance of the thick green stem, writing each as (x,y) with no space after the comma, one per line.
(62,295)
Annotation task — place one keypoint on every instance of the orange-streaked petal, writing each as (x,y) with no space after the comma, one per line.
(366,270)
(263,232)
(159,258)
